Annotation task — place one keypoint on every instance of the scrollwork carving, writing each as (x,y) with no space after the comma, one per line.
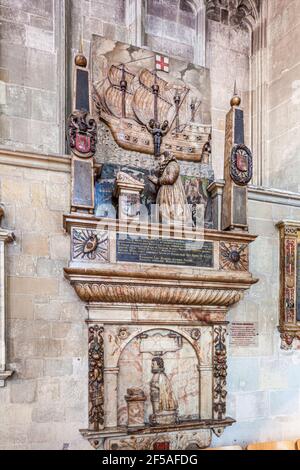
(219,373)
(96,377)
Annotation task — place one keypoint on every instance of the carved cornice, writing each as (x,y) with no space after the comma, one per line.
(61,163)
(154,294)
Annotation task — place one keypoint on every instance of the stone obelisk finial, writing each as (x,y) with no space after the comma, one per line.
(80,59)
(236,99)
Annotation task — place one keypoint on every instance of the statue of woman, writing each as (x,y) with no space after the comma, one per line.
(164,403)
(171,202)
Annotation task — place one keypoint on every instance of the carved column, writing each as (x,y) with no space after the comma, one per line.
(5,237)
(206,381)
(289,304)
(96,377)
(219,372)
(111,392)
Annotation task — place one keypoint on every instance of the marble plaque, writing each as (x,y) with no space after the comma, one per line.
(141,249)
(239,127)
(82,90)
(240,205)
(244,335)
(82,183)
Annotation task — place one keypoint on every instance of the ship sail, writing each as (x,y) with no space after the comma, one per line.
(113,99)
(117,73)
(148,79)
(143,98)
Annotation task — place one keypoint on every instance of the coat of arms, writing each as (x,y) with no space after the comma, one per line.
(241,168)
(82,134)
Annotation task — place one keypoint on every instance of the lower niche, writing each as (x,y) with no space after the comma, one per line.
(158,381)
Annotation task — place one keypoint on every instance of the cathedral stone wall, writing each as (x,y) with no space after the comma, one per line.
(263,381)
(283,120)
(46,402)
(30,86)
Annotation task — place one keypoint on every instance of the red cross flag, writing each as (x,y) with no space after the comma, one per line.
(162,63)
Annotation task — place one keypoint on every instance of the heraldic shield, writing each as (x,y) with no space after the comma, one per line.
(82,134)
(241,168)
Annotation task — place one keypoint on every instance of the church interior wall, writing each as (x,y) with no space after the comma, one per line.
(45,403)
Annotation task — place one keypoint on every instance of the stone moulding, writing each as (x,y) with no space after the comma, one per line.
(162,295)
(129,283)
(142,439)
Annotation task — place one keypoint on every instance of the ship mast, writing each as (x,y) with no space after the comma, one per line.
(177,98)
(123,87)
(155,90)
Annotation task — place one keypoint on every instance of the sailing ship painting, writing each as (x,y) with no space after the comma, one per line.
(127,97)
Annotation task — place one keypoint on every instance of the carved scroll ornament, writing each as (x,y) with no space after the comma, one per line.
(96,379)
(220,373)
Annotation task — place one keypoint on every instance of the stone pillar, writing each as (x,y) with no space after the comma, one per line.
(82,138)
(135,399)
(238,169)
(111,394)
(5,237)
(216,191)
(205,395)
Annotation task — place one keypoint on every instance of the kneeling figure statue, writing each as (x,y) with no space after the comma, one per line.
(164,403)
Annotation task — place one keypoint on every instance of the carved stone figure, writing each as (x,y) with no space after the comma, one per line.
(171,202)
(164,403)
(158,131)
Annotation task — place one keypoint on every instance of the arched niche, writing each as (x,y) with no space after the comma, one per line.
(182,367)
(152,23)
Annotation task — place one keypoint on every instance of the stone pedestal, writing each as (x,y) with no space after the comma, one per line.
(135,399)
(128,192)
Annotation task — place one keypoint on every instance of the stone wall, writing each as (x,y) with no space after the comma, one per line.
(263,381)
(170,27)
(45,403)
(31,68)
(283,119)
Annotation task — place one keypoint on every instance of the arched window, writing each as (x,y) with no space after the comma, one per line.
(173,27)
